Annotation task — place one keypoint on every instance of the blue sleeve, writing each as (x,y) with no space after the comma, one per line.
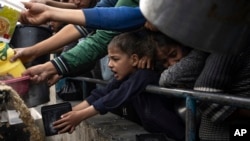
(114,18)
(129,88)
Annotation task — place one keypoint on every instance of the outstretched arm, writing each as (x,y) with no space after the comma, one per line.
(66,35)
(109,18)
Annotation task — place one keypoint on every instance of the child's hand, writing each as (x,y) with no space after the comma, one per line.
(25,54)
(35,13)
(68,122)
(145,63)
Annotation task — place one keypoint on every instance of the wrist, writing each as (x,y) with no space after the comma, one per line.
(50,68)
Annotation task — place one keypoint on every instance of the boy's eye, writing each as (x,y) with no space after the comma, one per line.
(115,59)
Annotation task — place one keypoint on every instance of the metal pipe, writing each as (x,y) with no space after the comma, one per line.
(190,119)
(220,98)
(191,98)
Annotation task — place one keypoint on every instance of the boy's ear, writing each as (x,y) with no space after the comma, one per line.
(135,60)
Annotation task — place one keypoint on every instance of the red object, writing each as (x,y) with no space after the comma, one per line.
(6,36)
(20,84)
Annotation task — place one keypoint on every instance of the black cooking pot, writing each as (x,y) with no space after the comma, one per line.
(219,26)
(27,35)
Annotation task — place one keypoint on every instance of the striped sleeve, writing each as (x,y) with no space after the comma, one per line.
(60,65)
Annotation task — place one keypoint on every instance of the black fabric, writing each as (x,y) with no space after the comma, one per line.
(127,111)
(218,72)
(72,90)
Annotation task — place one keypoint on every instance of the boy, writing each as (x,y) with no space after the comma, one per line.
(155,111)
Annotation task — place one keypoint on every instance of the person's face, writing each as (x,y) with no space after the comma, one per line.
(120,63)
(169,56)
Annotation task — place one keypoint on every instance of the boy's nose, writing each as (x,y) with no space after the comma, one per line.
(110,64)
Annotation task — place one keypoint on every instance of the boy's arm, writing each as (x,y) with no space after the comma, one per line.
(66,35)
(81,106)
(130,88)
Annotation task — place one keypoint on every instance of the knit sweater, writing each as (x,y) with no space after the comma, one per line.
(225,74)
(184,73)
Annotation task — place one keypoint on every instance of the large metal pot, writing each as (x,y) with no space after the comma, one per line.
(24,36)
(220,26)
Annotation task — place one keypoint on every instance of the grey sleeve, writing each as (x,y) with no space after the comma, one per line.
(185,72)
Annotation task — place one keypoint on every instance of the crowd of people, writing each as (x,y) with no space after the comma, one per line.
(138,54)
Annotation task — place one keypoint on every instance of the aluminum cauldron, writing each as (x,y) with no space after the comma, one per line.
(24,36)
(220,26)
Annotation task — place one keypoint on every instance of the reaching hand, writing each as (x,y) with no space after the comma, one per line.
(53,79)
(68,122)
(35,14)
(43,72)
(25,54)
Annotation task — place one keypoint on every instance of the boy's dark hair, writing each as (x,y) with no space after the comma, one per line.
(162,40)
(135,42)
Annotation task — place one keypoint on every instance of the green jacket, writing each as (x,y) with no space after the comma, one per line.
(84,55)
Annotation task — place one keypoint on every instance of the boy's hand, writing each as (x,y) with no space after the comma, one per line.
(68,122)
(25,54)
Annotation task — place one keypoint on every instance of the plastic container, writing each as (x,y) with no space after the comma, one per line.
(20,85)
(9,15)
(15,69)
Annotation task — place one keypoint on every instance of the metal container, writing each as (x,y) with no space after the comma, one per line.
(218,26)
(24,36)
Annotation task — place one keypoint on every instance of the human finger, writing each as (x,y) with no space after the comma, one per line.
(53,79)
(65,129)
(72,129)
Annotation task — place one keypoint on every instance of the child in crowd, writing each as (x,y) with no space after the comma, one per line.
(154,111)
(182,66)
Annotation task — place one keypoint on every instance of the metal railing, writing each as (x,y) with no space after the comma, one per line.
(191,97)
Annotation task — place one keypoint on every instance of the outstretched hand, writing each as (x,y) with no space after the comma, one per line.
(42,72)
(35,13)
(68,122)
(26,55)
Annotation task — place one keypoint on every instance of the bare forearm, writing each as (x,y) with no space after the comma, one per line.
(73,16)
(88,112)
(63,37)
(81,106)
